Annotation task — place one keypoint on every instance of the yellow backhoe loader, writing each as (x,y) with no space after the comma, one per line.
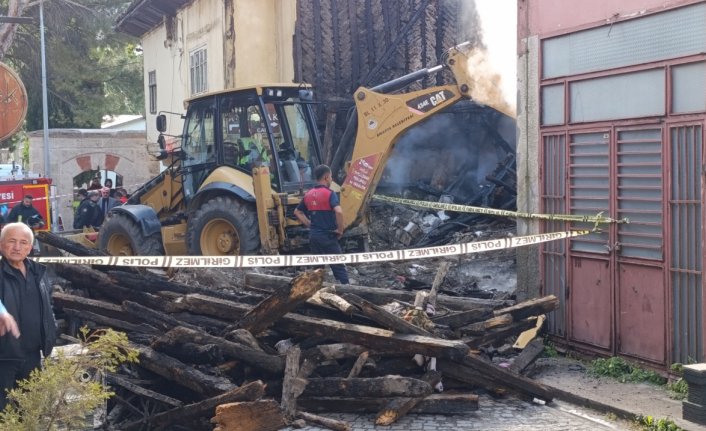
(246,157)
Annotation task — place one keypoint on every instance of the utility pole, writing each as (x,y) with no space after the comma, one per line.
(45,109)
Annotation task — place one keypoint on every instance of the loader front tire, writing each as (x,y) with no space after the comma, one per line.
(121,236)
(223,226)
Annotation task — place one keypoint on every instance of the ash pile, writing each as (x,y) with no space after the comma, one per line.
(466,156)
(234,350)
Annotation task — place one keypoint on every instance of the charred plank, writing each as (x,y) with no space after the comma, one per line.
(283,301)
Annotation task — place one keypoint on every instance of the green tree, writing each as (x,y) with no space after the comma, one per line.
(92,71)
(60,395)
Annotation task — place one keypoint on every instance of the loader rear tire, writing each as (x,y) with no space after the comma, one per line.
(121,236)
(223,227)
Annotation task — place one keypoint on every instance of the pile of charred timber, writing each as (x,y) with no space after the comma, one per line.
(278,351)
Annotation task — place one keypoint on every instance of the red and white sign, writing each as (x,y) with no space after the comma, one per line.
(361,172)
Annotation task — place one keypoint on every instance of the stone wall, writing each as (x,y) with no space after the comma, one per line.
(73,151)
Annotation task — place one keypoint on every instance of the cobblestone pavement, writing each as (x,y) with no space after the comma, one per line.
(508,414)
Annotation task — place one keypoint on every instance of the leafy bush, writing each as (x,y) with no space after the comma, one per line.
(648,423)
(621,370)
(550,350)
(59,395)
(679,389)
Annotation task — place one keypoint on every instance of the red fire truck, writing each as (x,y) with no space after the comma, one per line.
(13,190)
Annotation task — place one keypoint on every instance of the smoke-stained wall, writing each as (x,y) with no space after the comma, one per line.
(343,44)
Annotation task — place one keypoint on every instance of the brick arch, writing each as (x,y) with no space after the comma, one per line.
(76,151)
(110,161)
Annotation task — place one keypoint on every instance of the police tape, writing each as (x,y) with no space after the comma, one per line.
(309,260)
(598,219)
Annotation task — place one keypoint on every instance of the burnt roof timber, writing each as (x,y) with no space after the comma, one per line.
(144,15)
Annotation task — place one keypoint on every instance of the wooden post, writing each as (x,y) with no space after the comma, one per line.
(438,279)
(293,385)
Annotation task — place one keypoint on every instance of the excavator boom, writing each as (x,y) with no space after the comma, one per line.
(383,118)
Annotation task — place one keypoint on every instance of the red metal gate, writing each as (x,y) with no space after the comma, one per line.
(616,291)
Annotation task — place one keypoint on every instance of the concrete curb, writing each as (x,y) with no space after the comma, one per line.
(592,404)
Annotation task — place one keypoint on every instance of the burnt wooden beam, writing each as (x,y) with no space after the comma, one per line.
(256,358)
(398,407)
(379,340)
(181,373)
(117,380)
(281,302)
(107,309)
(324,352)
(248,392)
(472,365)
(529,354)
(480,328)
(358,365)
(462,318)
(383,317)
(118,324)
(532,307)
(261,415)
(376,295)
(154,284)
(292,385)
(492,336)
(387,386)
(153,317)
(68,245)
(220,308)
(329,297)
(332,424)
(438,279)
(98,283)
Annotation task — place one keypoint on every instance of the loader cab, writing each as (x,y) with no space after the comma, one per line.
(272,127)
(259,126)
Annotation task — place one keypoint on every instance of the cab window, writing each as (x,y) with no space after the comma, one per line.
(199,136)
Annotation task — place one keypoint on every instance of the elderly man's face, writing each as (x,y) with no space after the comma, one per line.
(105,192)
(16,245)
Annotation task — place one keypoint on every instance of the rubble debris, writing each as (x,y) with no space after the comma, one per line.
(200,347)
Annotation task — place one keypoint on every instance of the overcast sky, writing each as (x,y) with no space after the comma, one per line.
(499,22)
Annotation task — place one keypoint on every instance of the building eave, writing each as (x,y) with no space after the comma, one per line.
(143,16)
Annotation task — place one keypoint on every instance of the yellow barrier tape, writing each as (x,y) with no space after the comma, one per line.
(598,219)
(308,260)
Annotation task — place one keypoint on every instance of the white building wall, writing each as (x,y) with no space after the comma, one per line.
(264,33)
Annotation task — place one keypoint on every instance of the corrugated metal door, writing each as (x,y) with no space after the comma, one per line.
(639,250)
(554,202)
(615,292)
(685,246)
(591,306)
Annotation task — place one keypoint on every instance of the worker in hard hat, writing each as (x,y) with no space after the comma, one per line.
(254,149)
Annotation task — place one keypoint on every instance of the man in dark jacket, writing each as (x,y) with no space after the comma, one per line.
(106,203)
(87,211)
(26,213)
(321,212)
(25,295)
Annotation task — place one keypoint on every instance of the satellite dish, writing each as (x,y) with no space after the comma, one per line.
(13,102)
